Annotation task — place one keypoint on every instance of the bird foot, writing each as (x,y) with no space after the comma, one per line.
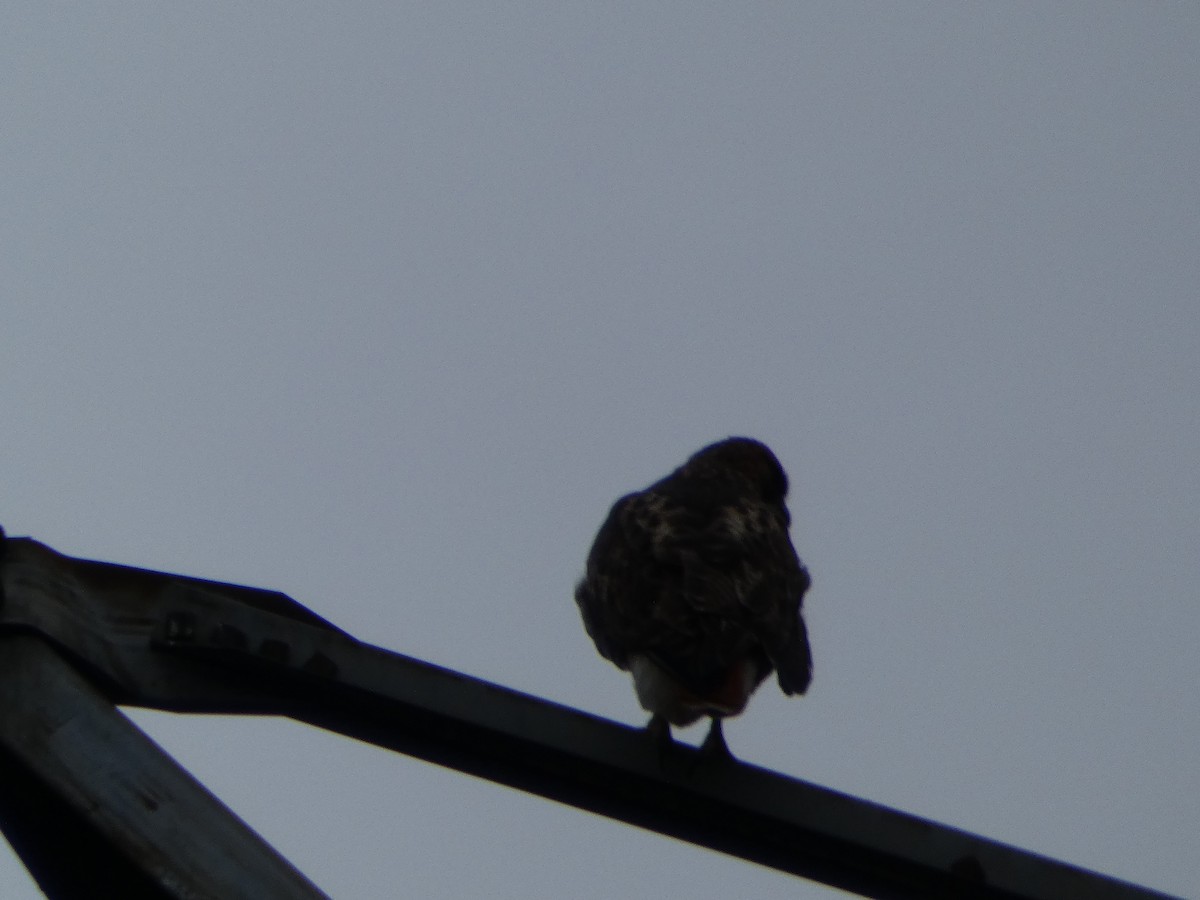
(714,749)
(659,730)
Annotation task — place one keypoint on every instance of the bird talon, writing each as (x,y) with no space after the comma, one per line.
(714,748)
(659,730)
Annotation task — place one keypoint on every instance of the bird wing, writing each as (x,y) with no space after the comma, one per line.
(616,585)
(742,572)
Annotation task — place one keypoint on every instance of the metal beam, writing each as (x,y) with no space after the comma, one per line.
(180,643)
(97,809)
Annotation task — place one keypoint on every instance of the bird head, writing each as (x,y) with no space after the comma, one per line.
(743,459)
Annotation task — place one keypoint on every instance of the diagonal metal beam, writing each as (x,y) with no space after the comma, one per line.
(96,809)
(179,643)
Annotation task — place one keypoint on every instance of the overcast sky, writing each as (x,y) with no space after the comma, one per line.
(383,305)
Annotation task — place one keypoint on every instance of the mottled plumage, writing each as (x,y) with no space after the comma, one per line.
(693,585)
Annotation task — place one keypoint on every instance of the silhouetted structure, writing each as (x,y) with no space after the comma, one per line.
(95,808)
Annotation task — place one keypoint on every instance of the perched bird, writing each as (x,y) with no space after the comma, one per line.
(694,587)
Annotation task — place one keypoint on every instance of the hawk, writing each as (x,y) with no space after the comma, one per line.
(694,587)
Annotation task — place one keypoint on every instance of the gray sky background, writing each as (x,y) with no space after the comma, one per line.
(383,305)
